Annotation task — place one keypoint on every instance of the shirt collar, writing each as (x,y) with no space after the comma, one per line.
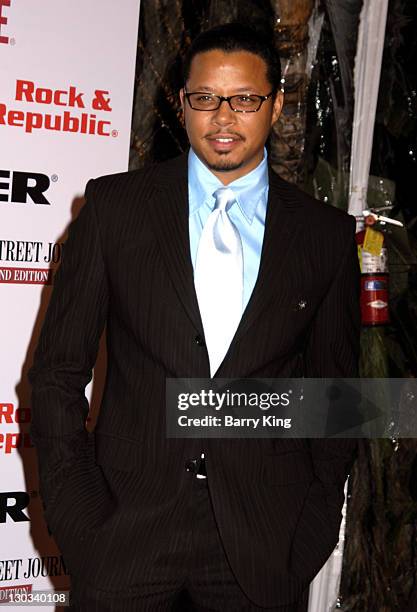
(249,189)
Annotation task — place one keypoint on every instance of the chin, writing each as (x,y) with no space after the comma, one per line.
(224,165)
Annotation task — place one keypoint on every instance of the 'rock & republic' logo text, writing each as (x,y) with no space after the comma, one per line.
(87,115)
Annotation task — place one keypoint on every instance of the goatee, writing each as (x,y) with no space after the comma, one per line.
(224,166)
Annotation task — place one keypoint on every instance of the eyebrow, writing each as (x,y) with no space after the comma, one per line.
(212,89)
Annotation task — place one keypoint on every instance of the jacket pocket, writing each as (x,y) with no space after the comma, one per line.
(118,453)
(288,468)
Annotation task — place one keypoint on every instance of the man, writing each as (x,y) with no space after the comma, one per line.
(237,524)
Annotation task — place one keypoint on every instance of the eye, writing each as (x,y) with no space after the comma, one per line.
(249,100)
(202,98)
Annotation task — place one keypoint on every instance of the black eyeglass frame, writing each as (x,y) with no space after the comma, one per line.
(227,99)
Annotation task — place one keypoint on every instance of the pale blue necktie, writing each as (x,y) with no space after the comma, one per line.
(219,278)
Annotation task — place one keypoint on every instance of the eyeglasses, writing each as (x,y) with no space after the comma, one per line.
(240,103)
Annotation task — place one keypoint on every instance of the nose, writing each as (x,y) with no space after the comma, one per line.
(224,115)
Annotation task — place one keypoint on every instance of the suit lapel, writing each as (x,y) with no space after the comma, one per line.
(169,213)
(282,225)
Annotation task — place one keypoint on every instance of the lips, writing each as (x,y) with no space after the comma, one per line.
(223,142)
(223,139)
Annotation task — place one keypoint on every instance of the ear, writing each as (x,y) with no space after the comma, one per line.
(182,98)
(277,108)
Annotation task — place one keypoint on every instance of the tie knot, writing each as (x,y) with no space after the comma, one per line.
(224,198)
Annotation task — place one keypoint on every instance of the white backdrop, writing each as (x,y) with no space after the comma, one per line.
(368,61)
(66,89)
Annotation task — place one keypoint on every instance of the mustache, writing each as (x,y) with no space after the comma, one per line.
(226,134)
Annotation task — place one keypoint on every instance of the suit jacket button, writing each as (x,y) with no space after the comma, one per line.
(199,341)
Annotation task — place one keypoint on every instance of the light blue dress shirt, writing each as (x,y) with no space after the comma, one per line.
(247,213)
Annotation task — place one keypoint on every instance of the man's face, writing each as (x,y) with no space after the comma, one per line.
(229,143)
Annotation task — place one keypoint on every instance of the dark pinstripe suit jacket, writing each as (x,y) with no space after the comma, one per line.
(127,263)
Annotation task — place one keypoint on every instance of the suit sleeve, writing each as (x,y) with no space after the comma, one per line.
(72,487)
(332,351)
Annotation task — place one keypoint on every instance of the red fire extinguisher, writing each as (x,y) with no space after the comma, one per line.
(374,277)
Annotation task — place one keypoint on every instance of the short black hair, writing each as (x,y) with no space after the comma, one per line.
(232,37)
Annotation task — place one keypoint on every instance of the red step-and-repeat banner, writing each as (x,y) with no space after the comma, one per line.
(66,91)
